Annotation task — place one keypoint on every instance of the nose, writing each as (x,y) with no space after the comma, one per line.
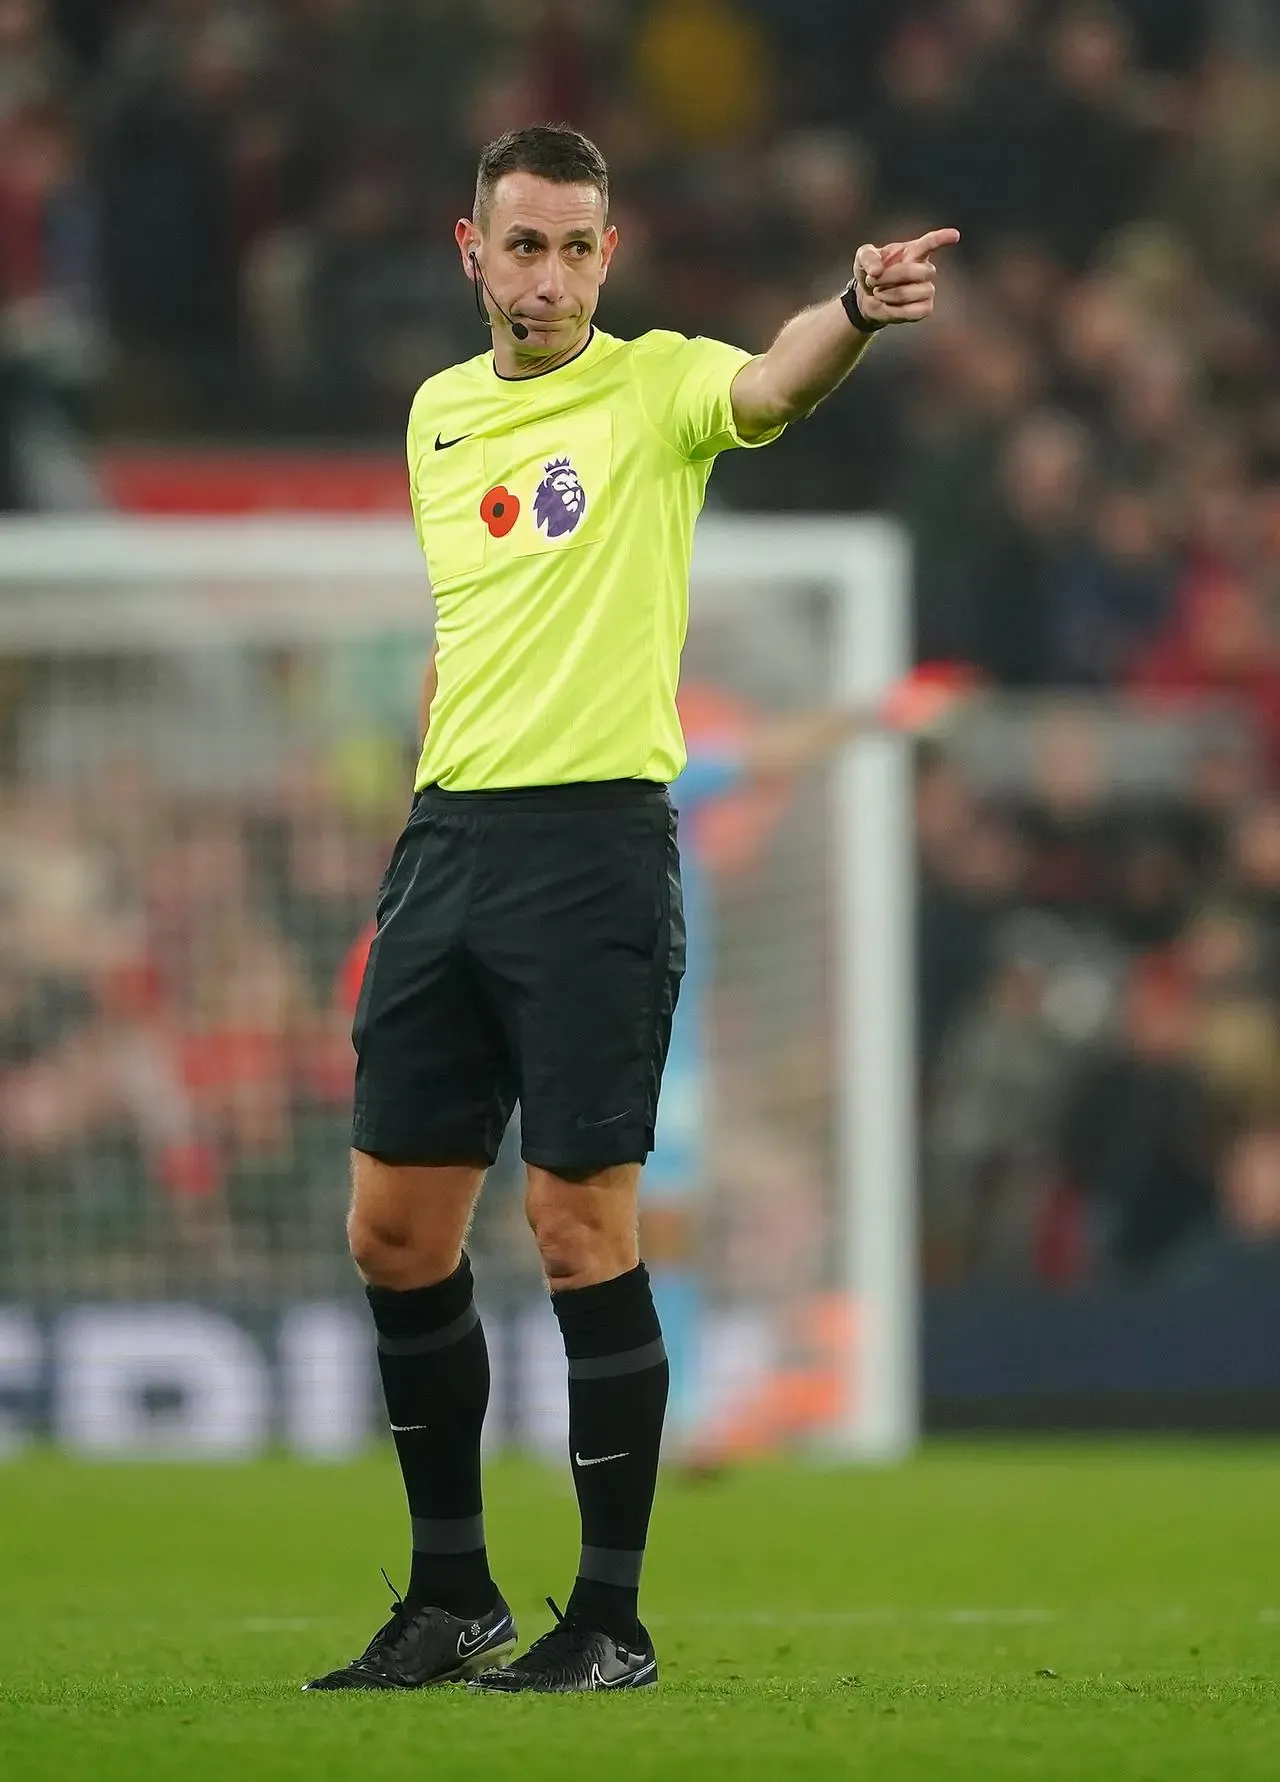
(551,281)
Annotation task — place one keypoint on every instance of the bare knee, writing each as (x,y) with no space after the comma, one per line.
(407,1223)
(568,1248)
(584,1226)
(390,1255)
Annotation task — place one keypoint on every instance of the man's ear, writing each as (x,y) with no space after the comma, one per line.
(468,238)
(608,241)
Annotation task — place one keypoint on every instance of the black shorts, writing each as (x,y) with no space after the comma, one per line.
(529,947)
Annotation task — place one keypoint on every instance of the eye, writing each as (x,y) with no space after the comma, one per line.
(579,248)
(524,248)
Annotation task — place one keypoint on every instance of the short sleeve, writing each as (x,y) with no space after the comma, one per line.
(685,386)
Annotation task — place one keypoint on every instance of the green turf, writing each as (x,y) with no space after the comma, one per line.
(1102,1614)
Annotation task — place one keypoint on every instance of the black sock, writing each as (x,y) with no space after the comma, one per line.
(435,1375)
(618,1378)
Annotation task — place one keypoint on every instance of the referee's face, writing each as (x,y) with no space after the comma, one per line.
(544,250)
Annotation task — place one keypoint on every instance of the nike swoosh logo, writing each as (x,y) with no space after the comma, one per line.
(599,1682)
(600,1459)
(590,1125)
(467,1646)
(442,445)
(405,1428)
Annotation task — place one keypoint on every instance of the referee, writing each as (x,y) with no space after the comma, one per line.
(530,937)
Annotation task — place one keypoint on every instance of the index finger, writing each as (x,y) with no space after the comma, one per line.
(936,238)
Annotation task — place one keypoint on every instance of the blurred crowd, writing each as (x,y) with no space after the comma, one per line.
(175,1011)
(235,215)
(232,219)
(1100,1012)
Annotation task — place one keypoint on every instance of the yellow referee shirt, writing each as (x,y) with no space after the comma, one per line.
(556,514)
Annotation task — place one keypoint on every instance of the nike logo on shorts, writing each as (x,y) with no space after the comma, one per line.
(599,1459)
(590,1125)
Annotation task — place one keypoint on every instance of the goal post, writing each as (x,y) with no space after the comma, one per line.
(864,565)
(161,640)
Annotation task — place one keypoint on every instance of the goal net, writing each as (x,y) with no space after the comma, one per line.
(206,750)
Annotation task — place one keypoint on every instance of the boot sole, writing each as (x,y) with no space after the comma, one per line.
(492,1657)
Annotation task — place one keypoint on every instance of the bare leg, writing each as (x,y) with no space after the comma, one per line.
(409,1221)
(586,1227)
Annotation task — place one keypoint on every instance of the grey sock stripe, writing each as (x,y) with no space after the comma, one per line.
(627,1361)
(611,1565)
(461,1326)
(459,1534)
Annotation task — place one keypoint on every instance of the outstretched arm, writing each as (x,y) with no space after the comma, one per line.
(787,745)
(923,702)
(818,348)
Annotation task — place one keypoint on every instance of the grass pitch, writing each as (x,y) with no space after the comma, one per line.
(1099,1614)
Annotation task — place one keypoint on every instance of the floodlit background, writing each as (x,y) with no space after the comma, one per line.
(225,265)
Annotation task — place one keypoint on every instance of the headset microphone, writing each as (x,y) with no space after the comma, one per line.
(517,328)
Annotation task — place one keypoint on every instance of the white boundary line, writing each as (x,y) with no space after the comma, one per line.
(856,1618)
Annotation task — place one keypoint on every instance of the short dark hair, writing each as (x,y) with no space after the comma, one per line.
(551,151)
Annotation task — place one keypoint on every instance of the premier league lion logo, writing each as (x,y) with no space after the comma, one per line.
(560,499)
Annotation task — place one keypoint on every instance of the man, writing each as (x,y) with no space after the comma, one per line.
(772,751)
(530,940)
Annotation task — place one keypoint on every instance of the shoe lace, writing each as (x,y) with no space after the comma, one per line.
(389,1635)
(568,1639)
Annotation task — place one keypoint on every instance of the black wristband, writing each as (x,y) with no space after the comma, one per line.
(852,308)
